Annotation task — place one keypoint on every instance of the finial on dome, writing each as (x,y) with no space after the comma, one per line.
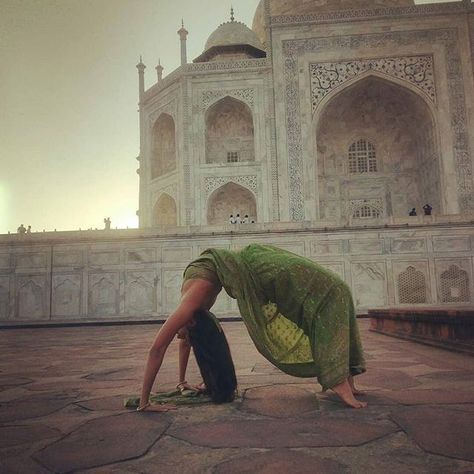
(232,18)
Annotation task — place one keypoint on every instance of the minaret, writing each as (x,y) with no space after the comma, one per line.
(141,92)
(141,79)
(183,34)
(159,71)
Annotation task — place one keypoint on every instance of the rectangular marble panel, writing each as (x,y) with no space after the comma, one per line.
(296,247)
(67,292)
(104,258)
(5,260)
(171,290)
(4,297)
(141,255)
(370,284)
(31,260)
(201,248)
(103,294)
(67,258)
(337,268)
(451,244)
(408,245)
(32,298)
(366,247)
(140,293)
(177,254)
(327,247)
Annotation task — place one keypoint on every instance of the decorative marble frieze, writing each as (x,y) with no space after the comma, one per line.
(223,66)
(211,183)
(369,14)
(417,70)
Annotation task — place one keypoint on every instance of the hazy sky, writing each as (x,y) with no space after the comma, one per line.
(68,101)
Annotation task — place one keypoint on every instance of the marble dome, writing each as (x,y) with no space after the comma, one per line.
(301,7)
(233,33)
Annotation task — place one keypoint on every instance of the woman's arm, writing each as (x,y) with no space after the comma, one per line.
(196,296)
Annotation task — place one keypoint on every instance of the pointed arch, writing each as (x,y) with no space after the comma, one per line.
(229,132)
(231,198)
(400,121)
(165,212)
(163,153)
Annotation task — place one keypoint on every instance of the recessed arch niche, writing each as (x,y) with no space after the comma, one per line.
(164,212)
(229,132)
(400,125)
(163,153)
(230,199)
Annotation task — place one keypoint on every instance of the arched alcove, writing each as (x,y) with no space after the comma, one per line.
(230,199)
(164,212)
(397,128)
(163,154)
(229,132)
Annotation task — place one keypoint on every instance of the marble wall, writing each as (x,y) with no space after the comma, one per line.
(137,274)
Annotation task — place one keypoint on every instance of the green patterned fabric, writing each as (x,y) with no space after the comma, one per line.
(186,397)
(299,315)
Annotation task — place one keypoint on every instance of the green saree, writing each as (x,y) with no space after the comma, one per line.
(299,315)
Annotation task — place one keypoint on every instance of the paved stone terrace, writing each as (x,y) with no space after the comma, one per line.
(61,392)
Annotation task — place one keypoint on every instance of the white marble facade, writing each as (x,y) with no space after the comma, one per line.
(137,274)
(331,111)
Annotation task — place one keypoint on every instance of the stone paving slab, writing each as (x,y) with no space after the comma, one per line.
(440,430)
(280,462)
(102,441)
(69,384)
(269,433)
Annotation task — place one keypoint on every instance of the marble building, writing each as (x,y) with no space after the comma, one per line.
(326,122)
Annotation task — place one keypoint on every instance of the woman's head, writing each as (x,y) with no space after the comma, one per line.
(213,357)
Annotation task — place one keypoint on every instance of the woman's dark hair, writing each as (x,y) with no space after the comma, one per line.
(213,357)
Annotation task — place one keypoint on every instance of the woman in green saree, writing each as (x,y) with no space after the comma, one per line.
(299,315)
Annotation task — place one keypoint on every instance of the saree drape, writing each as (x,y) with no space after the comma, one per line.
(299,315)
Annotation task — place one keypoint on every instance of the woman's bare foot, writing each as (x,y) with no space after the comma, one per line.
(353,387)
(344,392)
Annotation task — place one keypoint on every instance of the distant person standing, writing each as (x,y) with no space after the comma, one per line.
(427,208)
(238,220)
(232,219)
(21,229)
(107,223)
(246,219)
(412,212)
(28,231)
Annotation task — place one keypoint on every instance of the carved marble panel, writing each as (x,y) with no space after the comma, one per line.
(408,245)
(102,257)
(366,247)
(31,260)
(172,280)
(294,247)
(141,255)
(4,297)
(209,97)
(30,298)
(417,70)
(5,260)
(103,294)
(327,247)
(140,293)
(67,296)
(451,244)
(177,254)
(67,258)
(211,183)
(370,284)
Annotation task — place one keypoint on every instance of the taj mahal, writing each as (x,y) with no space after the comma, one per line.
(342,129)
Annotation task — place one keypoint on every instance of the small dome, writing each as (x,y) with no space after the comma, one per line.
(303,7)
(233,33)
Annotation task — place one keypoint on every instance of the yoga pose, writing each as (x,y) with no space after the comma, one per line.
(299,315)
